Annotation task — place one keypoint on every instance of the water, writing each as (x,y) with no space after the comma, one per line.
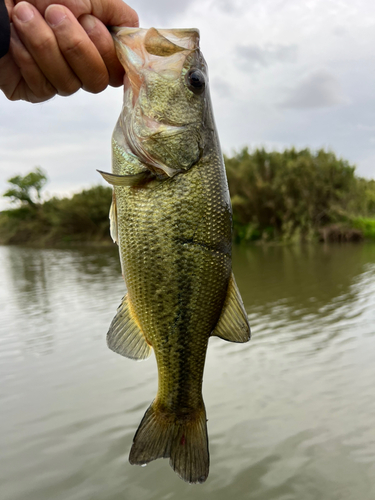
(291,414)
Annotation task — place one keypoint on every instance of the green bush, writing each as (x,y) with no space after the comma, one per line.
(367,226)
(276,196)
(81,218)
(290,195)
(84,216)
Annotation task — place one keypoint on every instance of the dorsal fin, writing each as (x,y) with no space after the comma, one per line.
(233,324)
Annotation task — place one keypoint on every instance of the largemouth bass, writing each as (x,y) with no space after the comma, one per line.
(171,217)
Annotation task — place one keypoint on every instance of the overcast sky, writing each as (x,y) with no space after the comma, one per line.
(282,73)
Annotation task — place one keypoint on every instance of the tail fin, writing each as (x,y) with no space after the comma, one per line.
(184,441)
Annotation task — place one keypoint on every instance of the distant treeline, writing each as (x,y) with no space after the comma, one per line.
(83,218)
(298,195)
(288,196)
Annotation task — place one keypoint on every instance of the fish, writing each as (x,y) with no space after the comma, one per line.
(171,217)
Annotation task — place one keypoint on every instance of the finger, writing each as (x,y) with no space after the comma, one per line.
(9,4)
(110,12)
(10,76)
(115,13)
(12,82)
(103,41)
(35,86)
(41,43)
(77,49)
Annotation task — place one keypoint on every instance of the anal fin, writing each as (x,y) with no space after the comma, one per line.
(233,324)
(125,336)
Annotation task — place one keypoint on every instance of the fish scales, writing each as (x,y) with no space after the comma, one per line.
(178,232)
(172,220)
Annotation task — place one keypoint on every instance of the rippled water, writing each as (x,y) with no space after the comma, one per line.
(291,414)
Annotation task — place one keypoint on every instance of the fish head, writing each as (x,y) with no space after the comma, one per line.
(164,120)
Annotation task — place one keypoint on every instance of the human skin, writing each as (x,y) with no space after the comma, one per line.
(60,47)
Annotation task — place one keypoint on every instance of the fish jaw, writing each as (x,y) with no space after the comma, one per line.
(161,51)
(155,63)
(141,49)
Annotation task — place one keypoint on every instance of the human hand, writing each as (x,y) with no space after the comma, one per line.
(69,48)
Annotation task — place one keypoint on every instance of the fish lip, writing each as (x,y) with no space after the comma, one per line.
(185,38)
(173,31)
(115,30)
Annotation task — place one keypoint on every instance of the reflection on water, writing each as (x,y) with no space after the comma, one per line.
(307,277)
(290,414)
(45,285)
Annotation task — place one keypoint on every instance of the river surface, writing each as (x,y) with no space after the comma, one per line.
(291,414)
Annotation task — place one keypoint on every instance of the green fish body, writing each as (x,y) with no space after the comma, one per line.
(171,217)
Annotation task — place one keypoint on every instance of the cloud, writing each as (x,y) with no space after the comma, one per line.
(252,56)
(160,12)
(227,6)
(340,31)
(318,90)
(222,88)
(68,137)
(265,58)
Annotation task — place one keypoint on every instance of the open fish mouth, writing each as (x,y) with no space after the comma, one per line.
(163,51)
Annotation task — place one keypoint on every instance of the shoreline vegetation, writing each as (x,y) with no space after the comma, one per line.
(277,197)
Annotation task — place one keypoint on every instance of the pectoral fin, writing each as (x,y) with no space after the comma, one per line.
(233,324)
(125,336)
(124,180)
(113,229)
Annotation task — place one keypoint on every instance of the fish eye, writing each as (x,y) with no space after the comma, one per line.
(196,81)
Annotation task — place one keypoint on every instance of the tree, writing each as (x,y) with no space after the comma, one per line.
(27,189)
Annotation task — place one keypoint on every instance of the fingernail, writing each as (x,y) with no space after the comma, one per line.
(55,15)
(24,12)
(88,23)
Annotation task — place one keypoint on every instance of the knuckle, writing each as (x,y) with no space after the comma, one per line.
(75,47)
(24,61)
(12,96)
(107,50)
(115,80)
(70,87)
(45,91)
(98,86)
(44,44)
(35,99)
(17,93)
